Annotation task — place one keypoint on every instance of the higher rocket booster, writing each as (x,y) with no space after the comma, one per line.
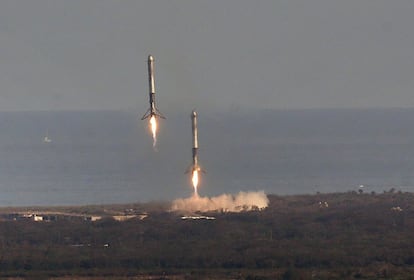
(152,110)
(194,166)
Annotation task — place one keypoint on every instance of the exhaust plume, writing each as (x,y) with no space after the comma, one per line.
(194,179)
(243,201)
(153,124)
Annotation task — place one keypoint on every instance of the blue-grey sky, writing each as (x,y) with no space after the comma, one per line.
(213,55)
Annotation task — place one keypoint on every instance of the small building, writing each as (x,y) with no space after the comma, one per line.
(122,218)
(37,218)
(93,218)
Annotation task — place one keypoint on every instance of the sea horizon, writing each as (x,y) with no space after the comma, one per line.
(106,156)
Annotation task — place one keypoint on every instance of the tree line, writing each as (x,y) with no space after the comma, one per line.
(351,235)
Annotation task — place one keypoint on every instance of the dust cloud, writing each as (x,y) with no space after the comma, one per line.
(243,201)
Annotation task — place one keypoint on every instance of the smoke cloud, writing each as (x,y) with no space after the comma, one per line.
(243,201)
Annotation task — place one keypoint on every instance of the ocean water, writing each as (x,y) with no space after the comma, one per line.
(107,156)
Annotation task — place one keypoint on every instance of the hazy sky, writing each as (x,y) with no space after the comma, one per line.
(213,55)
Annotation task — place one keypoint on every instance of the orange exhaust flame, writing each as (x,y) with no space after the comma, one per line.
(153,124)
(195,181)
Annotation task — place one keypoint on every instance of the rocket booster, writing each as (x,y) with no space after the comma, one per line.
(152,110)
(194,166)
(195,138)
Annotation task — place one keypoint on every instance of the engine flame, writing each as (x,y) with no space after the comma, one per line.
(195,181)
(153,124)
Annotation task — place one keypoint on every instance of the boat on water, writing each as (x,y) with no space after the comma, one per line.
(47,139)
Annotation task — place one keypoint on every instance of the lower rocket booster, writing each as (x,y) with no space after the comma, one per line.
(152,110)
(194,166)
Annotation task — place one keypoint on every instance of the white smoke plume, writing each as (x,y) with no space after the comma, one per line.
(243,201)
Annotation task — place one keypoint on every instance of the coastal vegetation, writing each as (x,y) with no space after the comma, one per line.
(322,236)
